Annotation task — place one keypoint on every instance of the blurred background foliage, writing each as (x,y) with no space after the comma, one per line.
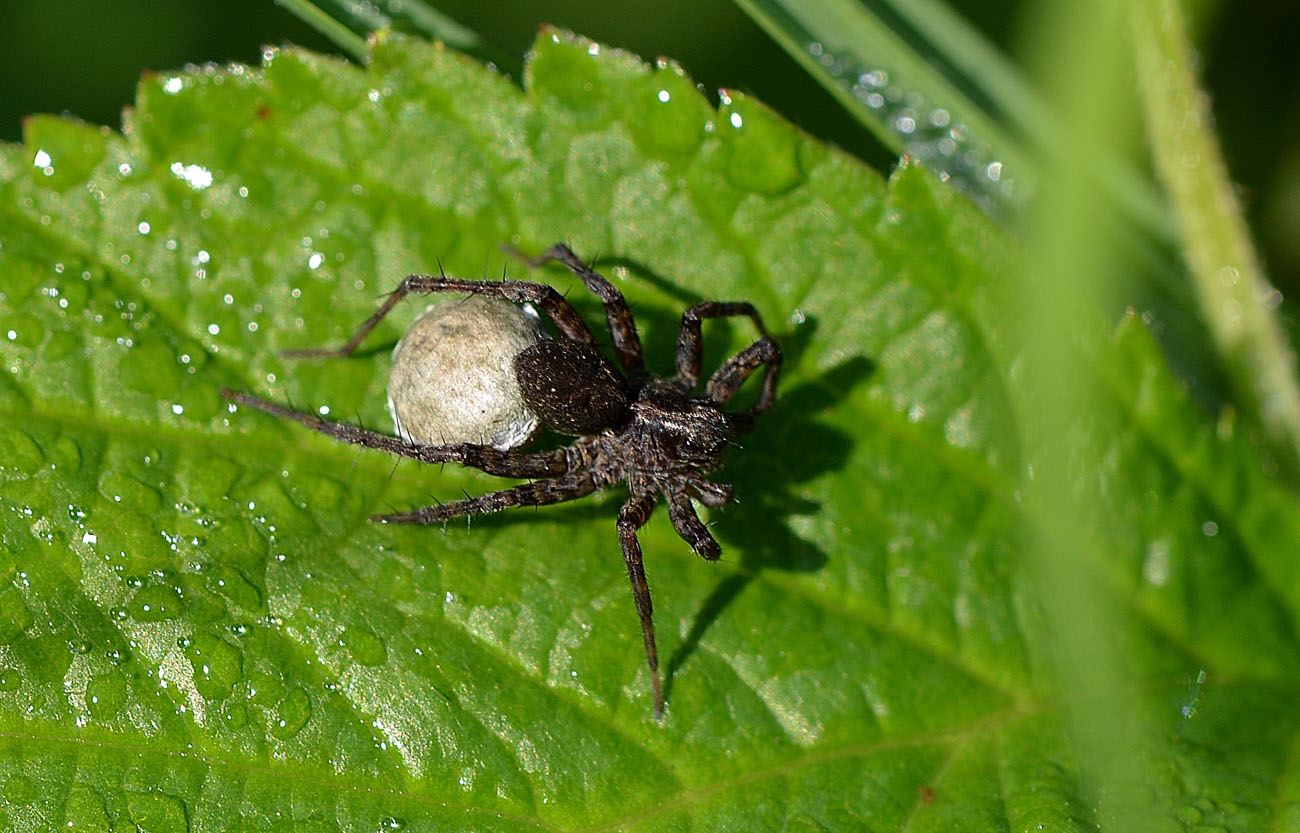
(85,58)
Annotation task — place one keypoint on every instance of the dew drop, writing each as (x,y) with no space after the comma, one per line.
(105,695)
(19,453)
(291,714)
(155,603)
(365,646)
(230,582)
(217,665)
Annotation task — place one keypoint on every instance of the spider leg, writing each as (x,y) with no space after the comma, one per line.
(632,517)
(482,457)
(707,492)
(689,526)
(734,371)
(541,493)
(550,301)
(622,327)
(689,345)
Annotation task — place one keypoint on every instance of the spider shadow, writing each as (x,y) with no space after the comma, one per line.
(658,325)
(789,447)
(672,289)
(384,349)
(421,303)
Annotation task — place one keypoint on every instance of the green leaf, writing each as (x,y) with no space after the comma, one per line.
(1234,294)
(201,631)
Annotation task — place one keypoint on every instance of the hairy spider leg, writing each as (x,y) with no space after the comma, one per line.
(689,526)
(551,302)
(724,383)
(346,350)
(707,492)
(622,327)
(482,457)
(543,492)
(689,344)
(632,517)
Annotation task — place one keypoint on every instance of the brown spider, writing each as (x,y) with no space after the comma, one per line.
(632,426)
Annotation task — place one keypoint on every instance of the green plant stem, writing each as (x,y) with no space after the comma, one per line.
(343,37)
(1235,298)
(1072,258)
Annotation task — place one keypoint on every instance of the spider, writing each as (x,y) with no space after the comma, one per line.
(652,433)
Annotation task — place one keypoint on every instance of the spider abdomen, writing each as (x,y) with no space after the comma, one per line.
(571,387)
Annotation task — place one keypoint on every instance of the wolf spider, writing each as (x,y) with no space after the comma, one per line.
(631,425)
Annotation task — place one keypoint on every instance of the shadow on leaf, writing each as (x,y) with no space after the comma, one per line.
(798,449)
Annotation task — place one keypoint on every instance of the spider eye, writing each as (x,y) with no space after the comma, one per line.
(701,442)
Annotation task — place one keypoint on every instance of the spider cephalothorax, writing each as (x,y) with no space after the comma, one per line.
(652,433)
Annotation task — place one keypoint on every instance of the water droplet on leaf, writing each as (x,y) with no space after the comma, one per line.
(105,695)
(365,646)
(291,714)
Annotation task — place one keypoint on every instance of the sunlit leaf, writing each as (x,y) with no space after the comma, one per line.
(200,630)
